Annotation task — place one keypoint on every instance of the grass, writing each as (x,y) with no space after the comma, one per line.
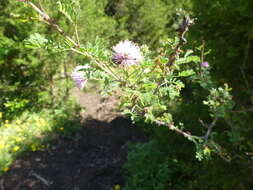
(31,132)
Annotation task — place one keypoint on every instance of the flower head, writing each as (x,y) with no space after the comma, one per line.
(77,76)
(205,64)
(126,53)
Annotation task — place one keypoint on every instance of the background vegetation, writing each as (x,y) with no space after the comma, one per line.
(35,84)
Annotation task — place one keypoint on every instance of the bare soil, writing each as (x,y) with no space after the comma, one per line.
(92,160)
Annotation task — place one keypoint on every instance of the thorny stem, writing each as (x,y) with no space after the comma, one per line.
(184,27)
(174,128)
(99,63)
(52,23)
(187,134)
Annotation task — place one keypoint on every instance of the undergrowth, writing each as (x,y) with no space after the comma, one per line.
(33,131)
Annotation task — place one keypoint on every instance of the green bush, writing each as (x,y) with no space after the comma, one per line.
(169,160)
(147,168)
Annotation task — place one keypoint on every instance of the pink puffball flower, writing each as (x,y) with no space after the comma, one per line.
(126,53)
(77,76)
(205,64)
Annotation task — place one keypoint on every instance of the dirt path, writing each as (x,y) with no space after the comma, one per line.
(91,161)
(96,106)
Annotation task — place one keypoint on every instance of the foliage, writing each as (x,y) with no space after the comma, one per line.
(32,131)
(33,79)
(148,168)
(226,27)
(84,20)
(150,90)
(34,88)
(180,170)
(170,90)
(144,21)
(26,76)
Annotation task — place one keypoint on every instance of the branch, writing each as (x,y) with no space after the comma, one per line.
(53,23)
(99,63)
(174,128)
(45,17)
(209,128)
(183,28)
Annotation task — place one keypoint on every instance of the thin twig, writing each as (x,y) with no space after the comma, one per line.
(99,63)
(202,57)
(202,123)
(159,85)
(41,6)
(184,27)
(77,35)
(174,128)
(51,22)
(244,77)
(244,64)
(209,129)
(202,51)
(246,54)
(43,180)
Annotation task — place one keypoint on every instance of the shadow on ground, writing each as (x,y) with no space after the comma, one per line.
(91,160)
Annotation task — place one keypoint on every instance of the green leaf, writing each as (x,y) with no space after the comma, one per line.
(189,52)
(186,73)
(69,8)
(36,41)
(189,59)
(63,9)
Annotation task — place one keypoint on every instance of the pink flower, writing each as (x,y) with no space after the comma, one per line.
(205,64)
(77,76)
(126,53)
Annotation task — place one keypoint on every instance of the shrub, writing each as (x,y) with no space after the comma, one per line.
(147,167)
(173,89)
